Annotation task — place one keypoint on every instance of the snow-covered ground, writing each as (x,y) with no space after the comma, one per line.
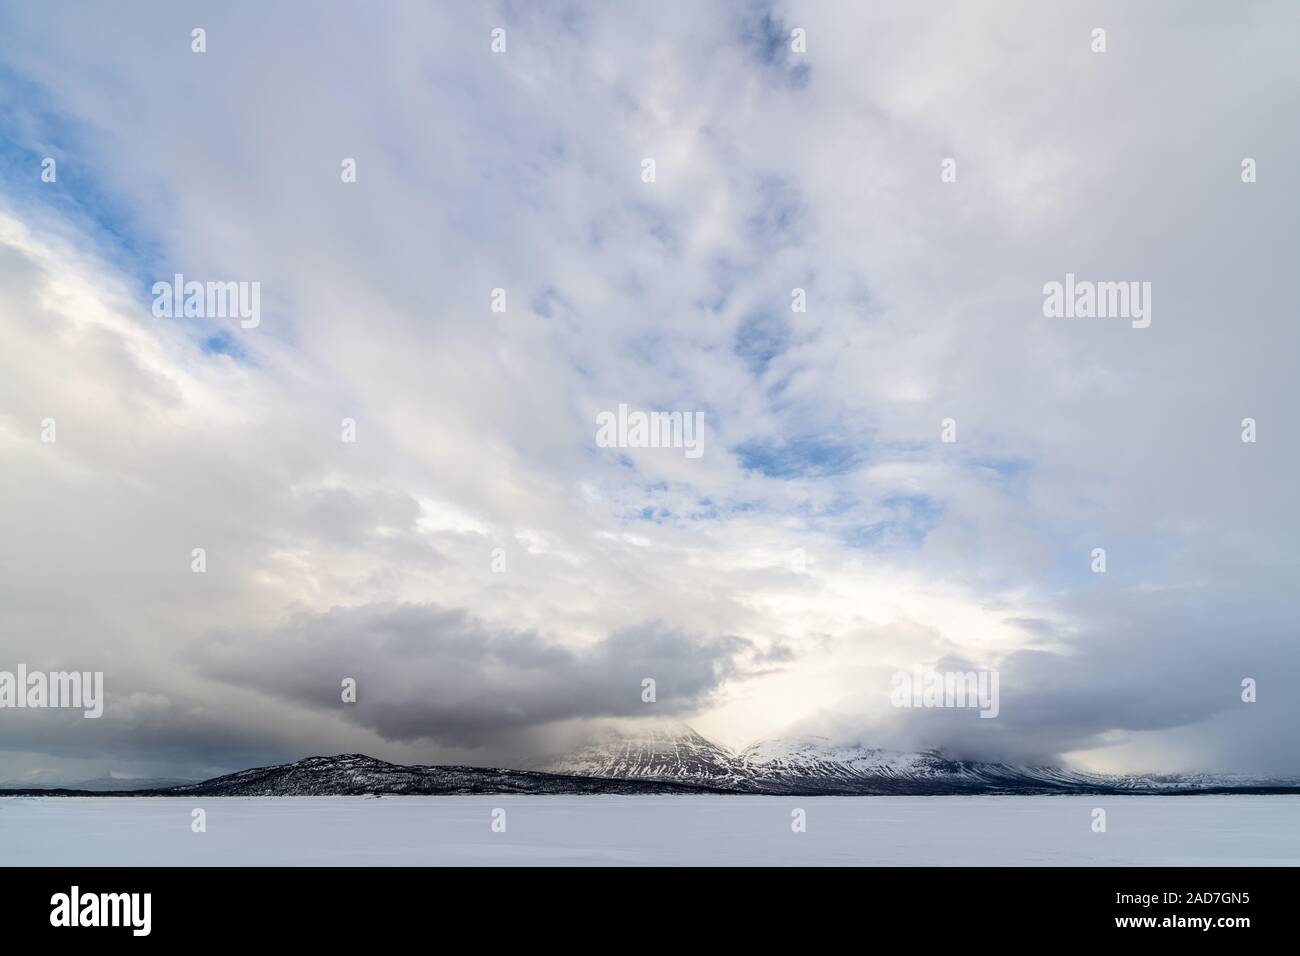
(1191,831)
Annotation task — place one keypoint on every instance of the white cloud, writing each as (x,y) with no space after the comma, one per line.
(475,429)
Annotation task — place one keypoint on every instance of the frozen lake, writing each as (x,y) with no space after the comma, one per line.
(704,830)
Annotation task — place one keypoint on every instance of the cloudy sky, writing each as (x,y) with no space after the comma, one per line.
(495,580)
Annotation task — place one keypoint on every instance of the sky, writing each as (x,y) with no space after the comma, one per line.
(497,581)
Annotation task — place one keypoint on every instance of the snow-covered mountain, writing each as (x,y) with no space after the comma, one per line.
(676,752)
(357,774)
(673,759)
(657,751)
(814,765)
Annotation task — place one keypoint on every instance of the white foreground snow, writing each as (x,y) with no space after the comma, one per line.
(421,831)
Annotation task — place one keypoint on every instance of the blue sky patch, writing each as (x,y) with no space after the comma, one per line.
(799,458)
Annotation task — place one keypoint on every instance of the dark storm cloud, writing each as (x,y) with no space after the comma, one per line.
(428,672)
(147,729)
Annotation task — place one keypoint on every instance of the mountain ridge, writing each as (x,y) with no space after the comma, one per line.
(676,760)
(814,766)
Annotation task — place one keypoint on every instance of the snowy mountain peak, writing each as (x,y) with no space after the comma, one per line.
(658,750)
(816,765)
(816,761)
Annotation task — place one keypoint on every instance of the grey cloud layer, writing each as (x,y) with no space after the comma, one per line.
(426,672)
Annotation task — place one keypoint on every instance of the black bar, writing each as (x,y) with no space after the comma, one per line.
(929,906)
